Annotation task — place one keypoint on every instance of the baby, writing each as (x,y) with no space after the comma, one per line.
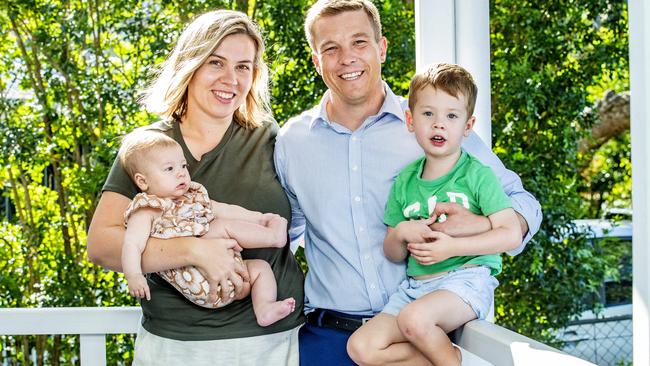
(171,205)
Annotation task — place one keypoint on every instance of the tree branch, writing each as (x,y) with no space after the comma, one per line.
(614,116)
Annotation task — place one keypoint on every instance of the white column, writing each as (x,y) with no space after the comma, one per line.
(435,32)
(458,31)
(92,349)
(639,18)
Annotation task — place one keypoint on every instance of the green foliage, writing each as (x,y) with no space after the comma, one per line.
(546,57)
(71,72)
(607,181)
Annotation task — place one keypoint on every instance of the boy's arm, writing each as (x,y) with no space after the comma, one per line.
(394,247)
(405,232)
(505,235)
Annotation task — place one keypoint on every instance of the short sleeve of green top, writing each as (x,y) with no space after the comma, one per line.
(240,171)
(469,183)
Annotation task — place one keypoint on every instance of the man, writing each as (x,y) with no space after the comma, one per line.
(337,162)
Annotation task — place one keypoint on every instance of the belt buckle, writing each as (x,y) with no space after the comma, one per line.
(364,320)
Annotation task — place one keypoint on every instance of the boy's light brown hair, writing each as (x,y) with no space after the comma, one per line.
(328,8)
(137,144)
(450,78)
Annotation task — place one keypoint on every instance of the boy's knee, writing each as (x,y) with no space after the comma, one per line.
(411,323)
(361,350)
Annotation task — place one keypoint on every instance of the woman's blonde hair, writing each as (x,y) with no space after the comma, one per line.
(167,94)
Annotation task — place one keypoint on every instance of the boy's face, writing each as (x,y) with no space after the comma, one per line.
(165,173)
(347,56)
(439,121)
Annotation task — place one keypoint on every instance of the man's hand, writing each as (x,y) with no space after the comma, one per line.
(438,247)
(215,258)
(459,220)
(414,231)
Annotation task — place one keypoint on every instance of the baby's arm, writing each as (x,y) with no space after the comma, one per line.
(135,241)
(505,235)
(405,232)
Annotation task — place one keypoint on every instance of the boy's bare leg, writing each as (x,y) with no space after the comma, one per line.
(264,294)
(380,342)
(426,321)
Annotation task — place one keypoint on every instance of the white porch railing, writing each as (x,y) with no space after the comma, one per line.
(483,343)
(92,325)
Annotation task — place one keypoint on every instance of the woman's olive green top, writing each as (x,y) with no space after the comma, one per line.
(239,171)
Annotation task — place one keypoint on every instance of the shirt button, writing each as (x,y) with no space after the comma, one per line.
(357,199)
(355,168)
(354,138)
(366,257)
(361,229)
(372,286)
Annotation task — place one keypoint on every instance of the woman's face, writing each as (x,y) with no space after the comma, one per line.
(220,86)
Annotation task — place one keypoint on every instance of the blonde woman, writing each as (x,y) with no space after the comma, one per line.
(212,97)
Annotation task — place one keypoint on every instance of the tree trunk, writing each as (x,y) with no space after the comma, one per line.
(614,118)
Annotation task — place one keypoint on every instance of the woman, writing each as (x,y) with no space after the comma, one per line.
(212,97)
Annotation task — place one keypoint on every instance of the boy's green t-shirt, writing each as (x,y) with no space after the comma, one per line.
(470,183)
(240,171)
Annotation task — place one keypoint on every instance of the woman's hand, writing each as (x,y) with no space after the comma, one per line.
(215,258)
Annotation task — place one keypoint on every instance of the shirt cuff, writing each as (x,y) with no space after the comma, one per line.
(532,213)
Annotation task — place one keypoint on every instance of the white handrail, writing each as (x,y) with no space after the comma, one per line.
(487,343)
(503,347)
(92,325)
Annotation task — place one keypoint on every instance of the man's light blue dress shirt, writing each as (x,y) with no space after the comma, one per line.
(338,182)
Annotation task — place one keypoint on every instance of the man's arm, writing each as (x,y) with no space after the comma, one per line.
(298,221)
(525,205)
(504,235)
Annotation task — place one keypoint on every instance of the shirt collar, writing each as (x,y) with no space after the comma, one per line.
(392,105)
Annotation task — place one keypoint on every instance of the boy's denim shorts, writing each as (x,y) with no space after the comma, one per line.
(474,285)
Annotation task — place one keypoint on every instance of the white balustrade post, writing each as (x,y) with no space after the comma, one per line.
(93,349)
(458,31)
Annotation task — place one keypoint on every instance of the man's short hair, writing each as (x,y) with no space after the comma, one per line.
(328,8)
(450,78)
(137,144)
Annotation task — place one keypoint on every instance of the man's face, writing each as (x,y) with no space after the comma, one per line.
(347,56)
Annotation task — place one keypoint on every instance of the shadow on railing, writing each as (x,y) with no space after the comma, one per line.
(483,343)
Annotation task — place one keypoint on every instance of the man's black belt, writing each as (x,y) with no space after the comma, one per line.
(334,320)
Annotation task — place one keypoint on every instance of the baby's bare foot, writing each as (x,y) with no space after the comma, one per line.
(270,313)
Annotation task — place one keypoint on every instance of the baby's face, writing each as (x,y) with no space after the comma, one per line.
(166,172)
(440,121)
